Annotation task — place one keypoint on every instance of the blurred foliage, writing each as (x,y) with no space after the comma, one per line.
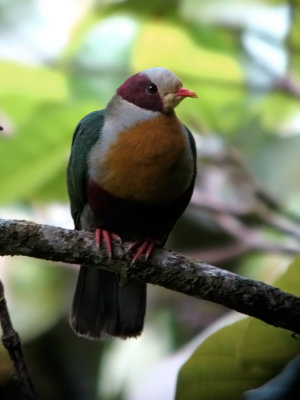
(242,59)
(44,103)
(30,285)
(240,356)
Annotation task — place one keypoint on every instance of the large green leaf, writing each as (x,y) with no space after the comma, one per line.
(283,387)
(241,356)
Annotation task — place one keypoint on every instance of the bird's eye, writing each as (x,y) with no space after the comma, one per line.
(151,88)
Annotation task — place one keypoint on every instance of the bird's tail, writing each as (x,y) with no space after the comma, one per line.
(102,308)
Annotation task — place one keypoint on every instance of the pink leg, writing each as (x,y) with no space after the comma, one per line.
(107,239)
(98,234)
(143,247)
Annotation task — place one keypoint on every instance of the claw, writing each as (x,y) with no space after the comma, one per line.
(143,247)
(107,239)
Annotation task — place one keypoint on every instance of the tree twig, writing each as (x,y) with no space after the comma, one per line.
(11,341)
(166,268)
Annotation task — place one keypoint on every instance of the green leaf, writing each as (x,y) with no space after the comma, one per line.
(216,76)
(284,386)
(36,82)
(241,356)
(38,152)
(191,61)
(290,281)
(165,8)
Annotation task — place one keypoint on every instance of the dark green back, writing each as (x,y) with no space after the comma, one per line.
(85,136)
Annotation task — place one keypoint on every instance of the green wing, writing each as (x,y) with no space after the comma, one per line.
(85,136)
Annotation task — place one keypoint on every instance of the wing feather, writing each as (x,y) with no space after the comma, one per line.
(85,136)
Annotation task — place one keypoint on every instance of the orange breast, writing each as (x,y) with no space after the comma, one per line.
(147,163)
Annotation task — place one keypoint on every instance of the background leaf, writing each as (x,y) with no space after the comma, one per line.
(240,356)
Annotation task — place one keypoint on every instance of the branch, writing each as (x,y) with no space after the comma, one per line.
(11,341)
(166,268)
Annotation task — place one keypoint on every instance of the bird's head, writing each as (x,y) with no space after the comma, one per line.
(155,89)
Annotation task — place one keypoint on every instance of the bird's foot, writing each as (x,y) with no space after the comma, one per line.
(102,235)
(142,247)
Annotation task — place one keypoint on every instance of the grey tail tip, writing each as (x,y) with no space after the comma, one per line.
(86,334)
(100,335)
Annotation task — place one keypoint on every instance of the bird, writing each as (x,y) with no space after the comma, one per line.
(130,176)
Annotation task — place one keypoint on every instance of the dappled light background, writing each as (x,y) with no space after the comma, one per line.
(61,59)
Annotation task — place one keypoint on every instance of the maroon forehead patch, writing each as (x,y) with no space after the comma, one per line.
(134,91)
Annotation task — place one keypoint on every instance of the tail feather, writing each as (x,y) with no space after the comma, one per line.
(132,307)
(102,308)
